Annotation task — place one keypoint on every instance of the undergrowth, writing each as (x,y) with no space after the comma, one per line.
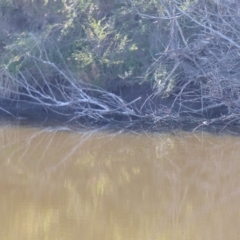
(186,48)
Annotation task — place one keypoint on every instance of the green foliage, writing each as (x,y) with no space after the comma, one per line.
(104,40)
(97,40)
(100,40)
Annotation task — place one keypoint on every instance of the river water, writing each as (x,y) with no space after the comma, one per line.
(93,185)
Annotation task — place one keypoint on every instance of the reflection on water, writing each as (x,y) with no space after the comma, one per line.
(59,185)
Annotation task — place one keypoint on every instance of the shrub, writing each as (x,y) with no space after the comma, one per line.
(187,47)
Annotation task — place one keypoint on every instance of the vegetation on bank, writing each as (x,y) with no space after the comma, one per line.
(65,52)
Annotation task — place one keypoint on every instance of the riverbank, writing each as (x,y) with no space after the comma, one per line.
(138,109)
(157,66)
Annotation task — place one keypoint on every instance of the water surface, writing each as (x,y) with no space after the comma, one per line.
(61,185)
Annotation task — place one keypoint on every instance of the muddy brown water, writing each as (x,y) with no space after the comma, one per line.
(93,185)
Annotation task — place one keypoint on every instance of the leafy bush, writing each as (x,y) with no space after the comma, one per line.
(184,47)
(99,40)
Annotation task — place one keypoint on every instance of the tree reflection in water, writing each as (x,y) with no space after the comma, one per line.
(58,184)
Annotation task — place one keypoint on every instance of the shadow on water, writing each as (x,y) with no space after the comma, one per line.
(58,184)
